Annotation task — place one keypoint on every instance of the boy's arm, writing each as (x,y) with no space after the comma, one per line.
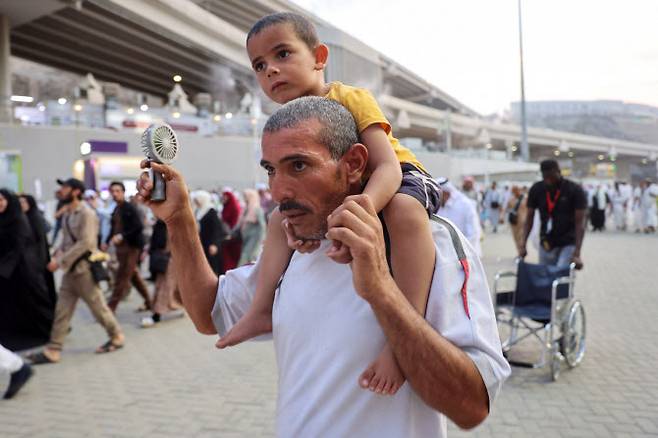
(386,176)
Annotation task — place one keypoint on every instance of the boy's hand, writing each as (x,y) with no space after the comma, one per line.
(303,246)
(339,253)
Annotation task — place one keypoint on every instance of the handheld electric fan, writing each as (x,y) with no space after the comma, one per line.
(160,144)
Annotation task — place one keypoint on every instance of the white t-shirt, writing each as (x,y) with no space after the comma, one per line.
(325,336)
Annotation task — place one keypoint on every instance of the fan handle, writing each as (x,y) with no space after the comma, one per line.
(159,192)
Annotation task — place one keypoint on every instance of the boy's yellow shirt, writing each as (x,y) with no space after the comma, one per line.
(366,112)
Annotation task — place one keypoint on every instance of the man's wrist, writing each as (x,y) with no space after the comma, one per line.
(386,291)
(180,218)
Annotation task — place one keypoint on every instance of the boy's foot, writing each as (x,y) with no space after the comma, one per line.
(18,379)
(249,326)
(383,376)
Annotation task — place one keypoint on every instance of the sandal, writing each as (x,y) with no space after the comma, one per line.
(108,347)
(39,358)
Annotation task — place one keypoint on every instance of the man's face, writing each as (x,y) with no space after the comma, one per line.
(284,65)
(468,185)
(304,179)
(117,193)
(551,177)
(66,194)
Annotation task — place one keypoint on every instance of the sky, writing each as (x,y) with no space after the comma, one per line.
(573,49)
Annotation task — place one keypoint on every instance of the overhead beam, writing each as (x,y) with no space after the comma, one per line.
(192,24)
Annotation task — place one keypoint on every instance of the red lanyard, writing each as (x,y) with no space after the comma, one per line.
(550,203)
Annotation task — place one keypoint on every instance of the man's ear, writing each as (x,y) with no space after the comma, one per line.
(355,162)
(321,56)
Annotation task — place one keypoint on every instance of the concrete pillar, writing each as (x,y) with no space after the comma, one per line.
(5,72)
(448,130)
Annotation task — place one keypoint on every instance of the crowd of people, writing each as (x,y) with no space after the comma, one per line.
(624,206)
(102,249)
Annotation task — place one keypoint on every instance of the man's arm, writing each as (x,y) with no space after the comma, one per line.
(527,228)
(440,373)
(580,219)
(196,280)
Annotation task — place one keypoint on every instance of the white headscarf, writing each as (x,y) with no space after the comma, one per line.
(204,201)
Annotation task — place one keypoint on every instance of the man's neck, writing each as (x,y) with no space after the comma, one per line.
(74,204)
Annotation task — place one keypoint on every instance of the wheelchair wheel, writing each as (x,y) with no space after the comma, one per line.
(572,343)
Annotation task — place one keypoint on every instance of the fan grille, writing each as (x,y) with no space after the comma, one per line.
(160,143)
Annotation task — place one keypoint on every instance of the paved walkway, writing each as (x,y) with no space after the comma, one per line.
(170,381)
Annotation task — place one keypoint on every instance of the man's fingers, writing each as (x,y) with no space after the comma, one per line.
(354,205)
(362,227)
(144,187)
(347,237)
(365,202)
(167,172)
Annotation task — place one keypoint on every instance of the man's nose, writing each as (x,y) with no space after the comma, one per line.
(281,189)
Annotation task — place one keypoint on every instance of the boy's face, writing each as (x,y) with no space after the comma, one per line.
(285,66)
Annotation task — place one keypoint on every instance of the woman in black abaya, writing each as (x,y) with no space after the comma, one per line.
(40,229)
(26,308)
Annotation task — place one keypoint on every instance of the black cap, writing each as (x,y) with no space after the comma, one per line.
(73,183)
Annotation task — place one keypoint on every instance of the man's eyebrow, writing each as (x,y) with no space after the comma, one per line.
(293,157)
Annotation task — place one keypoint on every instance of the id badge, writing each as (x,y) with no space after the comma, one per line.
(549,225)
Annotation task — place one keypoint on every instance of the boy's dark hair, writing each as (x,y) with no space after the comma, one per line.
(118,183)
(549,165)
(302,26)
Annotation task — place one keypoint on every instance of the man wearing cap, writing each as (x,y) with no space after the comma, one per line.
(80,231)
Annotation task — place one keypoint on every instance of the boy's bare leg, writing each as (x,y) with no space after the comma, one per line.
(274,259)
(412,259)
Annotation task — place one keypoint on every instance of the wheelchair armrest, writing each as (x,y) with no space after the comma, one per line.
(499,275)
(502,274)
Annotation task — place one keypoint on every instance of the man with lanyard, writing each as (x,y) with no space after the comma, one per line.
(562,205)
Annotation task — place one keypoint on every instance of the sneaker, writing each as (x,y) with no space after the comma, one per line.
(147,322)
(18,379)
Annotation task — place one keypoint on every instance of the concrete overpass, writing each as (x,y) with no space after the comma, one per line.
(142,44)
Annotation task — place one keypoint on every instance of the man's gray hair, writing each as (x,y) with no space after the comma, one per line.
(338,132)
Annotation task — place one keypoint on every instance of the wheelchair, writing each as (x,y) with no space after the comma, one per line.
(541,306)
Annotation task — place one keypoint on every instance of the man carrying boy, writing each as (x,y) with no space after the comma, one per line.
(329,317)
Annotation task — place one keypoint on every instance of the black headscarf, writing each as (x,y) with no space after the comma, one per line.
(10,220)
(38,226)
(14,233)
